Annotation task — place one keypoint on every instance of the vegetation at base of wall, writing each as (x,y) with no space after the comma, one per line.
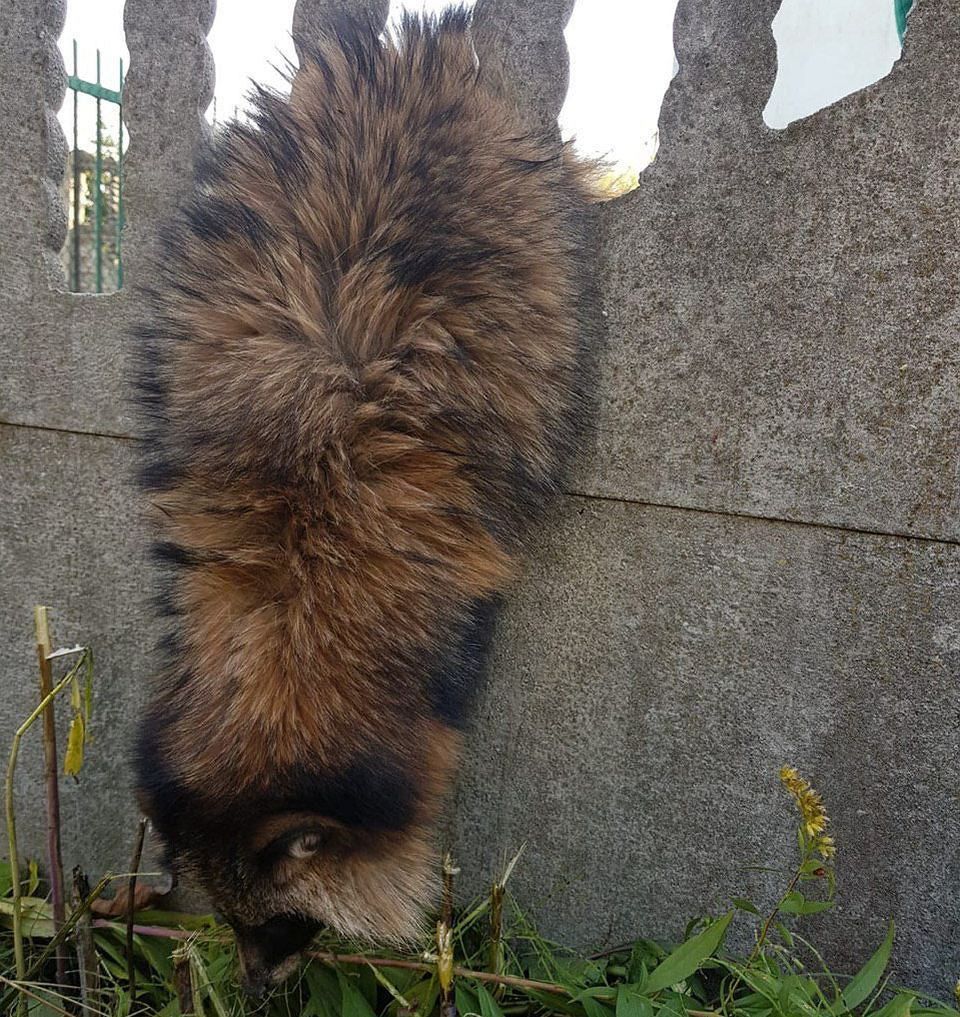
(486,960)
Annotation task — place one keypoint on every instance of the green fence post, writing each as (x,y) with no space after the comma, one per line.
(76,183)
(120,181)
(98,204)
(901,10)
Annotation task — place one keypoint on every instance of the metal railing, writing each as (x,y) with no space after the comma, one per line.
(98,184)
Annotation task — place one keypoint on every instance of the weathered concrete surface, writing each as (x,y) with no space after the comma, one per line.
(782,343)
(68,538)
(784,306)
(656,669)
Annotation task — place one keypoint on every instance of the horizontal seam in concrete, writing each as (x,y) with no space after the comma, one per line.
(764,519)
(603,497)
(67,430)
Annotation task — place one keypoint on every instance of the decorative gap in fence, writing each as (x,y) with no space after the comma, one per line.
(95,191)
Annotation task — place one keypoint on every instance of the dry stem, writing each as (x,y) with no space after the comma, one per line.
(17,890)
(41,624)
(131,904)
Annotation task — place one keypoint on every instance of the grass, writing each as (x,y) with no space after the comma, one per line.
(187,964)
(487,959)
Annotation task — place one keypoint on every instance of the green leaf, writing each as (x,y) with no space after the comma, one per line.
(466,1000)
(899,1006)
(867,978)
(742,904)
(423,995)
(488,1005)
(352,1002)
(785,935)
(73,759)
(324,989)
(796,904)
(35,912)
(554,1004)
(688,956)
(33,879)
(592,1006)
(630,1003)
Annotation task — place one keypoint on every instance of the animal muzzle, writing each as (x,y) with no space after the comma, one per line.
(270,952)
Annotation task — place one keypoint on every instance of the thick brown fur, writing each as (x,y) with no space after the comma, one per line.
(361,382)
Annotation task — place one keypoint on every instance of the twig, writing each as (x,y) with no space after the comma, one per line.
(68,926)
(41,624)
(86,951)
(764,932)
(496,926)
(481,976)
(156,931)
(445,965)
(17,890)
(333,959)
(183,982)
(24,993)
(131,904)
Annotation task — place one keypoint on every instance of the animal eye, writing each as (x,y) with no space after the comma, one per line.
(306,845)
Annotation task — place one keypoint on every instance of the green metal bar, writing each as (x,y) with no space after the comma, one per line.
(76,184)
(120,184)
(98,204)
(95,89)
(901,9)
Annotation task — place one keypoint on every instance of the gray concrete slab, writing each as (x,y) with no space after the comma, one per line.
(654,671)
(782,343)
(69,538)
(783,306)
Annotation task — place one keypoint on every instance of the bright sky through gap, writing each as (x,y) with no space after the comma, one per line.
(621,62)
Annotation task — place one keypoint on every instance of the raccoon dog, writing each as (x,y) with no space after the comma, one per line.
(360,378)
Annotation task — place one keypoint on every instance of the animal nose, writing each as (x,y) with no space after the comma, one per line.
(255,984)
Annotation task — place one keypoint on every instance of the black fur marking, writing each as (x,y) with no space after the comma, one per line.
(167,553)
(413,264)
(275,940)
(165,797)
(373,792)
(453,682)
(216,219)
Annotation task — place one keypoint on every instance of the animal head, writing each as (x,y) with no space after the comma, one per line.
(283,858)
(278,881)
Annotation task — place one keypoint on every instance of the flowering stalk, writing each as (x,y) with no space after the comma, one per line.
(816,848)
(815,845)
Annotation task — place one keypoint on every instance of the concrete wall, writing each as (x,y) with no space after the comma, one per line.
(758,562)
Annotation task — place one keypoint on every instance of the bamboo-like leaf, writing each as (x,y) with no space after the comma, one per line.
(488,1005)
(688,956)
(796,904)
(73,758)
(630,1003)
(867,978)
(899,1006)
(352,1003)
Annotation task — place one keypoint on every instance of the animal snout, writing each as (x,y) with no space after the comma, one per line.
(269,952)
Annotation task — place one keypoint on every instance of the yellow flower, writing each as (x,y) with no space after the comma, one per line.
(812,811)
